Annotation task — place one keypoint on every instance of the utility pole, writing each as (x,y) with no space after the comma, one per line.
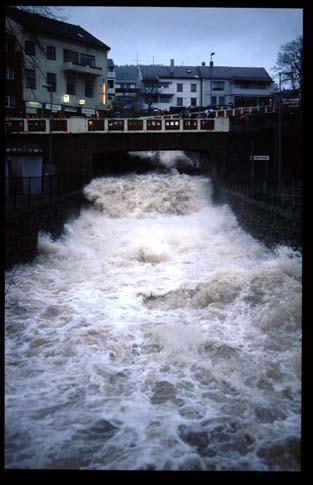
(50,89)
(137,60)
(211,75)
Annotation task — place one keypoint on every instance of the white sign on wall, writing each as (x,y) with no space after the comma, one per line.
(260,157)
(88,111)
(55,107)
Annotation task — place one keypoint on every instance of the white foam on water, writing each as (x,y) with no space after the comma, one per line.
(154,334)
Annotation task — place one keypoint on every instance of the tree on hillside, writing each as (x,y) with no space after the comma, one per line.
(290,60)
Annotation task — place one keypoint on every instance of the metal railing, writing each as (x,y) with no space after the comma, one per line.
(30,192)
(289,198)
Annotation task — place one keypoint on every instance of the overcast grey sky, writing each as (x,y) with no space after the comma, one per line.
(248,37)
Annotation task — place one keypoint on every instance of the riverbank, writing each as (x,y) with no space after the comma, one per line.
(265,222)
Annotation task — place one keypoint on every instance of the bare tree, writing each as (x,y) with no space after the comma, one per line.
(150,92)
(290,59)
(51,12)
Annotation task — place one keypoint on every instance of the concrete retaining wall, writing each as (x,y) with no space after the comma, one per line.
(21,231)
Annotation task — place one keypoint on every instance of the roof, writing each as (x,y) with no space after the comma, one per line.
(215,72)
(223,72)
(153,72)
(55,28)
(126,73)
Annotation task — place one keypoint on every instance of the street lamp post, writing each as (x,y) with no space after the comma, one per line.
(211,72)
(280,134)
(50,89)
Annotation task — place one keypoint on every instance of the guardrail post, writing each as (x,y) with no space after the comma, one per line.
(50,188)
(29,192)
(14,193)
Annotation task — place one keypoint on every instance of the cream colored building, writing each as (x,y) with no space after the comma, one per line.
(63,56)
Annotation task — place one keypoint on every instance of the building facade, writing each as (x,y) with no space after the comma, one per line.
(127,93)
(64,68)
(201,86)
(111,82)
(13,78)
(237,86)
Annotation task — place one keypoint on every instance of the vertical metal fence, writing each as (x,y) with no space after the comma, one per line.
(257,188)
(27,192)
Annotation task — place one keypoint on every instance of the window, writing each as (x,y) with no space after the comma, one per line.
(163,98)
(221,100)
(193,101)
(50,52)
(89,88)
(30,75)
(86,60)
(218,85)
(179,101)
(250,84)
(70,85)
(179,87)
(29,47)
(213,100)
(70,56)
(10,101)
(52,79)
(111,69)
(193,88)
(111,84)
(9,73)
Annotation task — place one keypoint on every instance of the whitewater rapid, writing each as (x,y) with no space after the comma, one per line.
(154,334)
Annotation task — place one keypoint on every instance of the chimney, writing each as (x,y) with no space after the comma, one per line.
(172,62)
(211,63)
(202,63)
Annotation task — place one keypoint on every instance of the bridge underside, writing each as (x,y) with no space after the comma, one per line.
(74,153)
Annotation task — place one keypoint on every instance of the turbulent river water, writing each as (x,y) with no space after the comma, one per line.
(154,334)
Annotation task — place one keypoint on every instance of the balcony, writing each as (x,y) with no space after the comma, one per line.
(79,68)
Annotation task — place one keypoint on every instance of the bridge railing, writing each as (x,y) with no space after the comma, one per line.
(86,125)
(113,125)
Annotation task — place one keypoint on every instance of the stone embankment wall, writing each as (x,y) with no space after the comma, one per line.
(21,230)
(266,223)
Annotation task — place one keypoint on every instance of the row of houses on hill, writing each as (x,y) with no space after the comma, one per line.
(56,66)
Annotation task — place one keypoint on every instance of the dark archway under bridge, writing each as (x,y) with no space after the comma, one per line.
(74,153)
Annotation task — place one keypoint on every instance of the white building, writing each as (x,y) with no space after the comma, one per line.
(63,56)
(170,86)
(192,86)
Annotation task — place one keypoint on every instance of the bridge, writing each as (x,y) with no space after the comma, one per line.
(169,123)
